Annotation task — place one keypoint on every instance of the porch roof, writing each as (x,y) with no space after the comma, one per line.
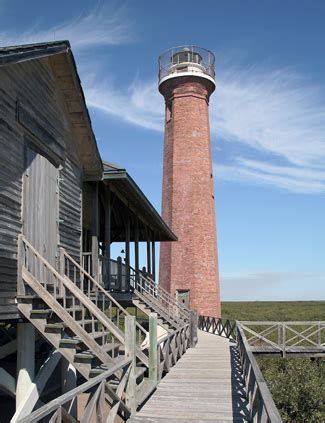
(132,196)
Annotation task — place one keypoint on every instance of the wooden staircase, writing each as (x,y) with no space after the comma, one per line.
(150,297)
(75,314)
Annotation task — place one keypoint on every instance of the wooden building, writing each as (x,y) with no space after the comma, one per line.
(52,186)
(48,150)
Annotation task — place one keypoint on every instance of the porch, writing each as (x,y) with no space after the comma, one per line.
(120,231)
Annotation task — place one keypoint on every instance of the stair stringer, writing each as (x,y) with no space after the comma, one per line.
(66,318)
(158,308)
(54,339)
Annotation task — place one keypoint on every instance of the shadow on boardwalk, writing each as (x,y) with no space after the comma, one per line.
(239,399)
(205,386)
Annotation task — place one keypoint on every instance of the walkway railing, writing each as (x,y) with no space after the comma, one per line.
(127,278)
(218,326)
(171,348)
(63,408)
(161,298)
(300,338)
(262,407)
(97,294)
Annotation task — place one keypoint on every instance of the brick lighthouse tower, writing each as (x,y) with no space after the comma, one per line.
(189,267)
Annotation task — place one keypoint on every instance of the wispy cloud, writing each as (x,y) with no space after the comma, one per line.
(103,25)
(139,104)
(296,179)
(278,114)
(252,286)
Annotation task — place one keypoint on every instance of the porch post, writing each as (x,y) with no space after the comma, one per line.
(108,236)
(148,252)
(69,382)
(94,231)
(153,254)
(127,253)
(25,360)
(136,248)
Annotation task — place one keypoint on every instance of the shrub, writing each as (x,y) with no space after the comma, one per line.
(297,387)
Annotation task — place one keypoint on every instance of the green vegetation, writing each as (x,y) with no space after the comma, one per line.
(274,310)
(297,384)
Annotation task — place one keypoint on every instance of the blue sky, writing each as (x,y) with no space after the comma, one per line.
(267,118)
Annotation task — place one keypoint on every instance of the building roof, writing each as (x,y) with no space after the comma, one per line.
(119,178)
(64,69)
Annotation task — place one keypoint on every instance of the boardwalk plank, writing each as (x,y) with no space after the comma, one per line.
(204,386)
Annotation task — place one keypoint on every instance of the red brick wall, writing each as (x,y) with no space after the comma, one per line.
(188,196)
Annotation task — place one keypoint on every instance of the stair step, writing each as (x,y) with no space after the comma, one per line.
(98,370)
(87,356)
(54,327)
(75,341)
(95,371)
(86,322)
(69,343)
(37,313)
(40,314)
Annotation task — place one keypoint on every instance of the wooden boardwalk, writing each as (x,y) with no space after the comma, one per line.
(204,386)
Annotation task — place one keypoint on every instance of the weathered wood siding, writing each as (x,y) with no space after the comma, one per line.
(70,226)
(31,111)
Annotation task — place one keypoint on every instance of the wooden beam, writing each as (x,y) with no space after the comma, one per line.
(148,252)
(108,224)
(127,252)
(153,349)
(25,360)
(69,382)
(193,328)
(153,254)
(136,248)
(35,390)
(7,349)
(130,353)
(94,230)
(7,382)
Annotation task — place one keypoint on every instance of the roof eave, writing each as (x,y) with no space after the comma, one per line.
(122,174)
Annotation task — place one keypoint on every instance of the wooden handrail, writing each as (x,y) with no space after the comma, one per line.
(63,283)
(180,311)
(165,293)
(57,403)
(218,326)
(171,306)
(285,337)
(262,406)
(101,289)
(95,299)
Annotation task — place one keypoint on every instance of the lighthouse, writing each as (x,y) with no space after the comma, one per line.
(189,267)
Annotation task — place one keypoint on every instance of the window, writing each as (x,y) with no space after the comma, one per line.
(169,111)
